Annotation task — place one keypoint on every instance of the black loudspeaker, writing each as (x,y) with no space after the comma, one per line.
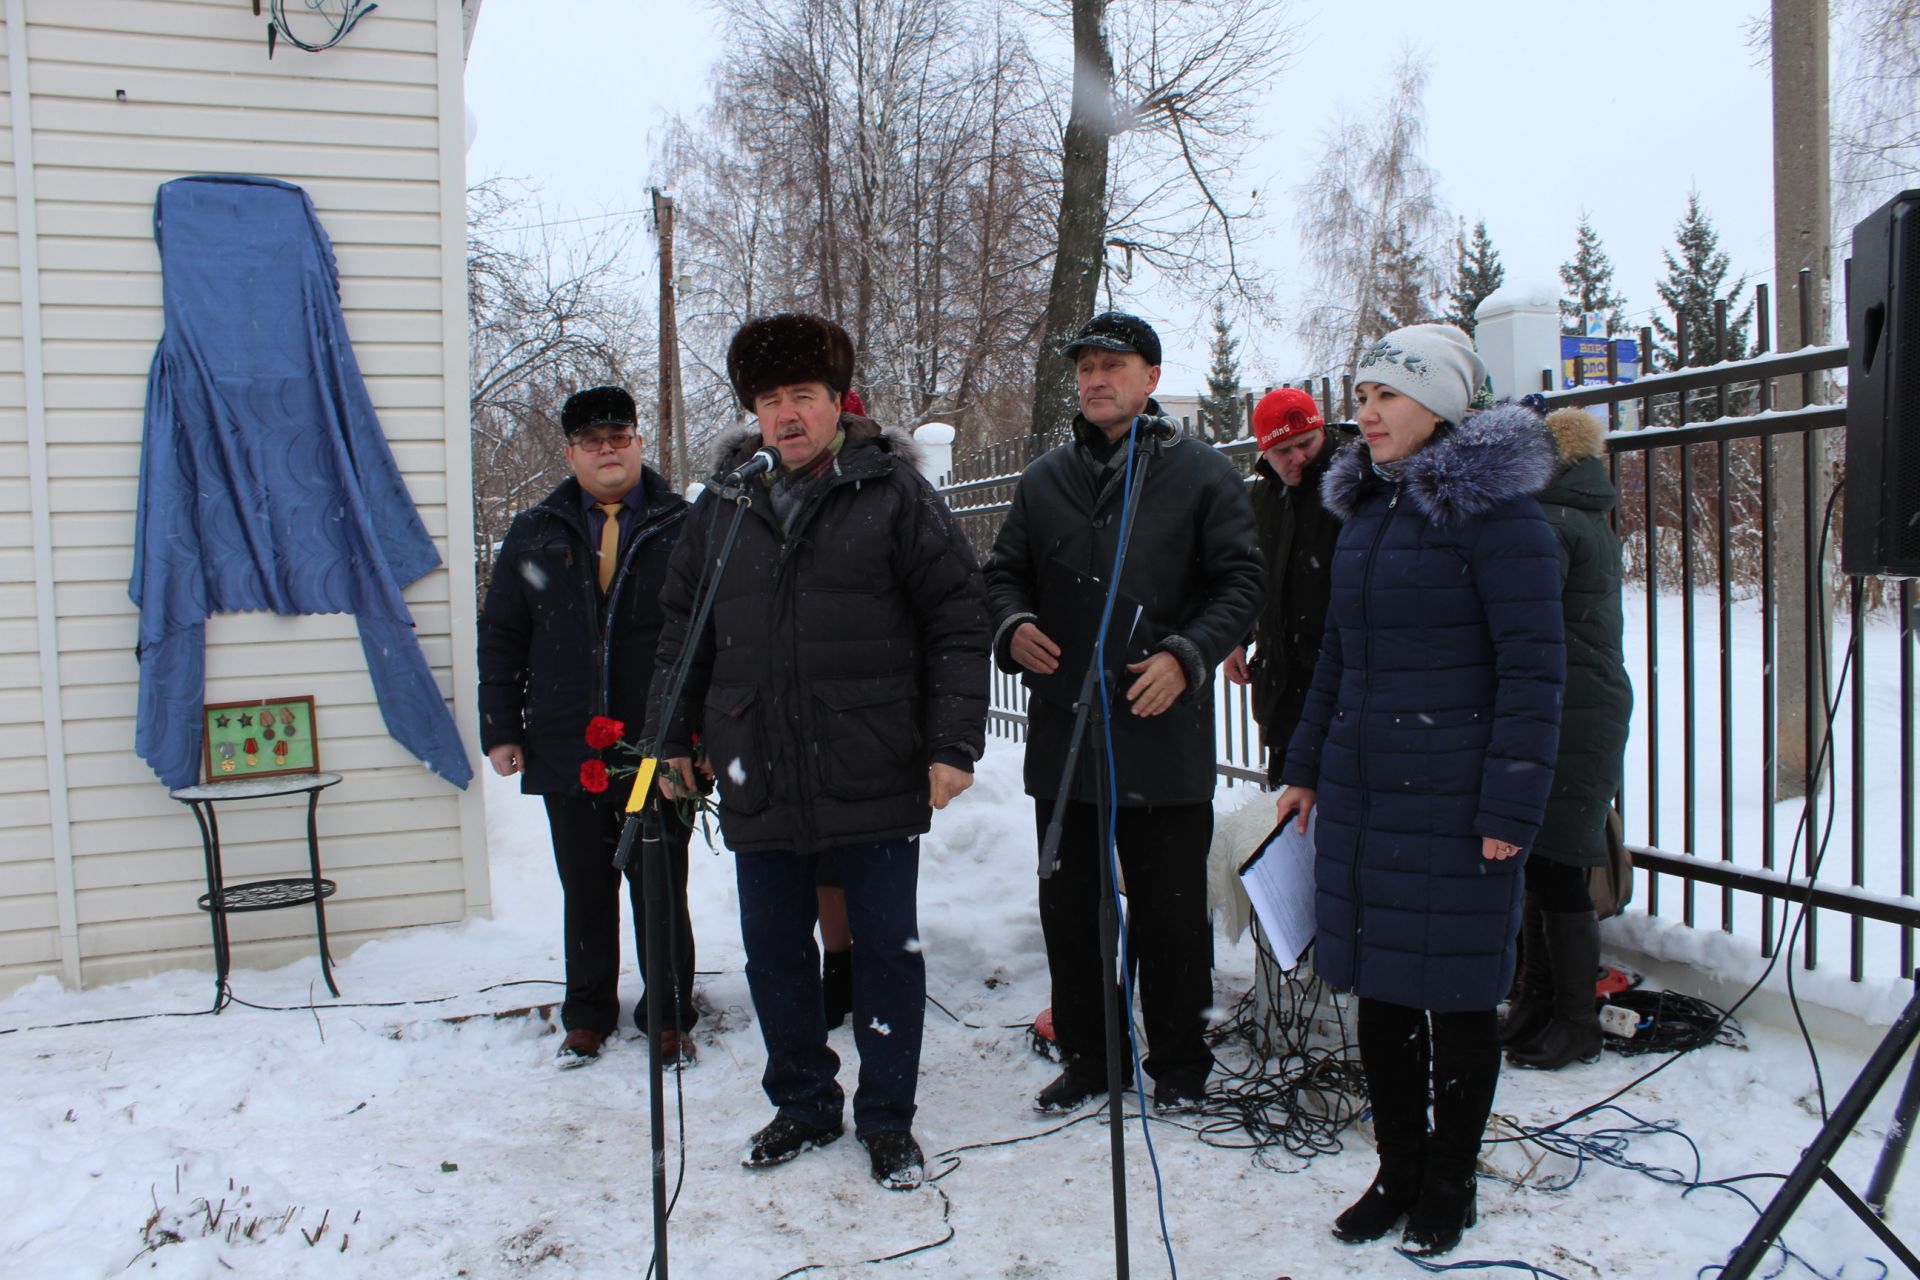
(1882,533)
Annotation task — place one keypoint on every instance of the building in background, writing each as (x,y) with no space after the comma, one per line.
(99,869)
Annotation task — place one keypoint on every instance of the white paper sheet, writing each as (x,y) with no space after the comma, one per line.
(1279,883)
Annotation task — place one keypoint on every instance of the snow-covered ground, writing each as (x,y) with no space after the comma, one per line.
(404,1143)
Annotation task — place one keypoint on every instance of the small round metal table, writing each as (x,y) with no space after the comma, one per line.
(222,899)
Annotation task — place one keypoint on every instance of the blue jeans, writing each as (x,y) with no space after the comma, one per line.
(778,910)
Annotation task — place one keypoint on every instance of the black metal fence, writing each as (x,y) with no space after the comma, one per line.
(1775,746)
(1740,787)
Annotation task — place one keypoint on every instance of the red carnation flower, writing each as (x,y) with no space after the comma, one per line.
(603,732)
(593,776)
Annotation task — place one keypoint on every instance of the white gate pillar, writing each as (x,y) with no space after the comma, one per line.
(936,450)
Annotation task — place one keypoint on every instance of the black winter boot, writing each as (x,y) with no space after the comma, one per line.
(1393,1054)
(896,1159)
(1466,1070)
(1532,1005)
(1441,1215)
(836,985)
(1573,1033)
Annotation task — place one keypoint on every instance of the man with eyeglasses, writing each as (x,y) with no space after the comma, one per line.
(567,634)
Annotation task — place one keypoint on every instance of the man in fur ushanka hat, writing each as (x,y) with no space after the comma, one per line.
(840,691)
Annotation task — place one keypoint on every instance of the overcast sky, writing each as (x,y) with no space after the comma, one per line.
(1535,112)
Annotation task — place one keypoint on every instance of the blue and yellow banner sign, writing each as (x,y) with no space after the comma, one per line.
(1592,355)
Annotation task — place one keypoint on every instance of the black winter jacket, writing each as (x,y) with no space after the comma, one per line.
(842,658)
(553,651)
(1194,567)
(1297,534)
(1599,705)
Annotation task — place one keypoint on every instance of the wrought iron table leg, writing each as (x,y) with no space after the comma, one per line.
(319,902)
(216,914)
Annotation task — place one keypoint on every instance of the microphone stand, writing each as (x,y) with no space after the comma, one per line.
(643,823)
(1110,986)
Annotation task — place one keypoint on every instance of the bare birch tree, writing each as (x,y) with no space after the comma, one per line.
(1876,136)
(548,315)
(873,160)
(1372,223)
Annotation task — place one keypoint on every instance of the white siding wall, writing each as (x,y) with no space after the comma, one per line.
(372,129)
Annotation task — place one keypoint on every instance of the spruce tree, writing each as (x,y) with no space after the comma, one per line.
(1588,281)
(1408,286)
(1476,274)
(1220,407)
(1695,279)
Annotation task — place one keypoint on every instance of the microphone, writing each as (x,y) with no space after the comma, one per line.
(1157,426)
(764,459)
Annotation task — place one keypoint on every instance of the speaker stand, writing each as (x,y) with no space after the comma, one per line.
(1816,1161)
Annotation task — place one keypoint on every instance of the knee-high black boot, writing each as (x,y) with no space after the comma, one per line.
(1532,1005)
(1466,1070)
(1393,1054)
(1573,1033)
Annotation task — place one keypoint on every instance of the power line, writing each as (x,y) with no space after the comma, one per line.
(567,222)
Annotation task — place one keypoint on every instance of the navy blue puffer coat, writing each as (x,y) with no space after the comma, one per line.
(1434,714)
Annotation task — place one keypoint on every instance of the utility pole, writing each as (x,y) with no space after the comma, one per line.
(672,448)
(681,475)
(1802,241)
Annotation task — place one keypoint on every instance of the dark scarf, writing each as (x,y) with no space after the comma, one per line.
(787,491)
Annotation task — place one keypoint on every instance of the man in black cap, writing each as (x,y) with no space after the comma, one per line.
(1188,593)
(567,637)
(840,689)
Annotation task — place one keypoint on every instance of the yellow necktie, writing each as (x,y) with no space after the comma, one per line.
(609,543)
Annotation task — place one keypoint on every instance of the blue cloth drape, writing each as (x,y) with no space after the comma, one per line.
(265,481)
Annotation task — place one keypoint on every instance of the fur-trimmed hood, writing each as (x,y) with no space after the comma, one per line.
(1577,434)
(736,445)
(1491,457)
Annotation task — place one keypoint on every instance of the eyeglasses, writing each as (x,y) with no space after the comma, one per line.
(610,440)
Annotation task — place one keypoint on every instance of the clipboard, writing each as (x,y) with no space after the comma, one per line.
(1070,606)
(1278,879)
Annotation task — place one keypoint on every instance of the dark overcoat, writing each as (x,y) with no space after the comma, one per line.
(1599,704)
(1193,569)
(1434,714)
(553,650)
(1297,536)
(845,653)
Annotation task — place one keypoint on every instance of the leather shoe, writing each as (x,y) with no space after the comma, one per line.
(1175,1098)
(581,1046)
(1180,1092)
(677,1049)
(896,1159)
(783,1139)
(1070,1090)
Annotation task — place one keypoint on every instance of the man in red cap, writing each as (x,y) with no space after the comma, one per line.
(1297,535)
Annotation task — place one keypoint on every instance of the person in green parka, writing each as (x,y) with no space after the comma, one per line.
(1551,1021)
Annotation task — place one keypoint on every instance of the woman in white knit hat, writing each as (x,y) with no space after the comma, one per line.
(1427,743)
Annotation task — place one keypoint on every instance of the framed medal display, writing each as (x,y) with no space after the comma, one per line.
(259,738)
